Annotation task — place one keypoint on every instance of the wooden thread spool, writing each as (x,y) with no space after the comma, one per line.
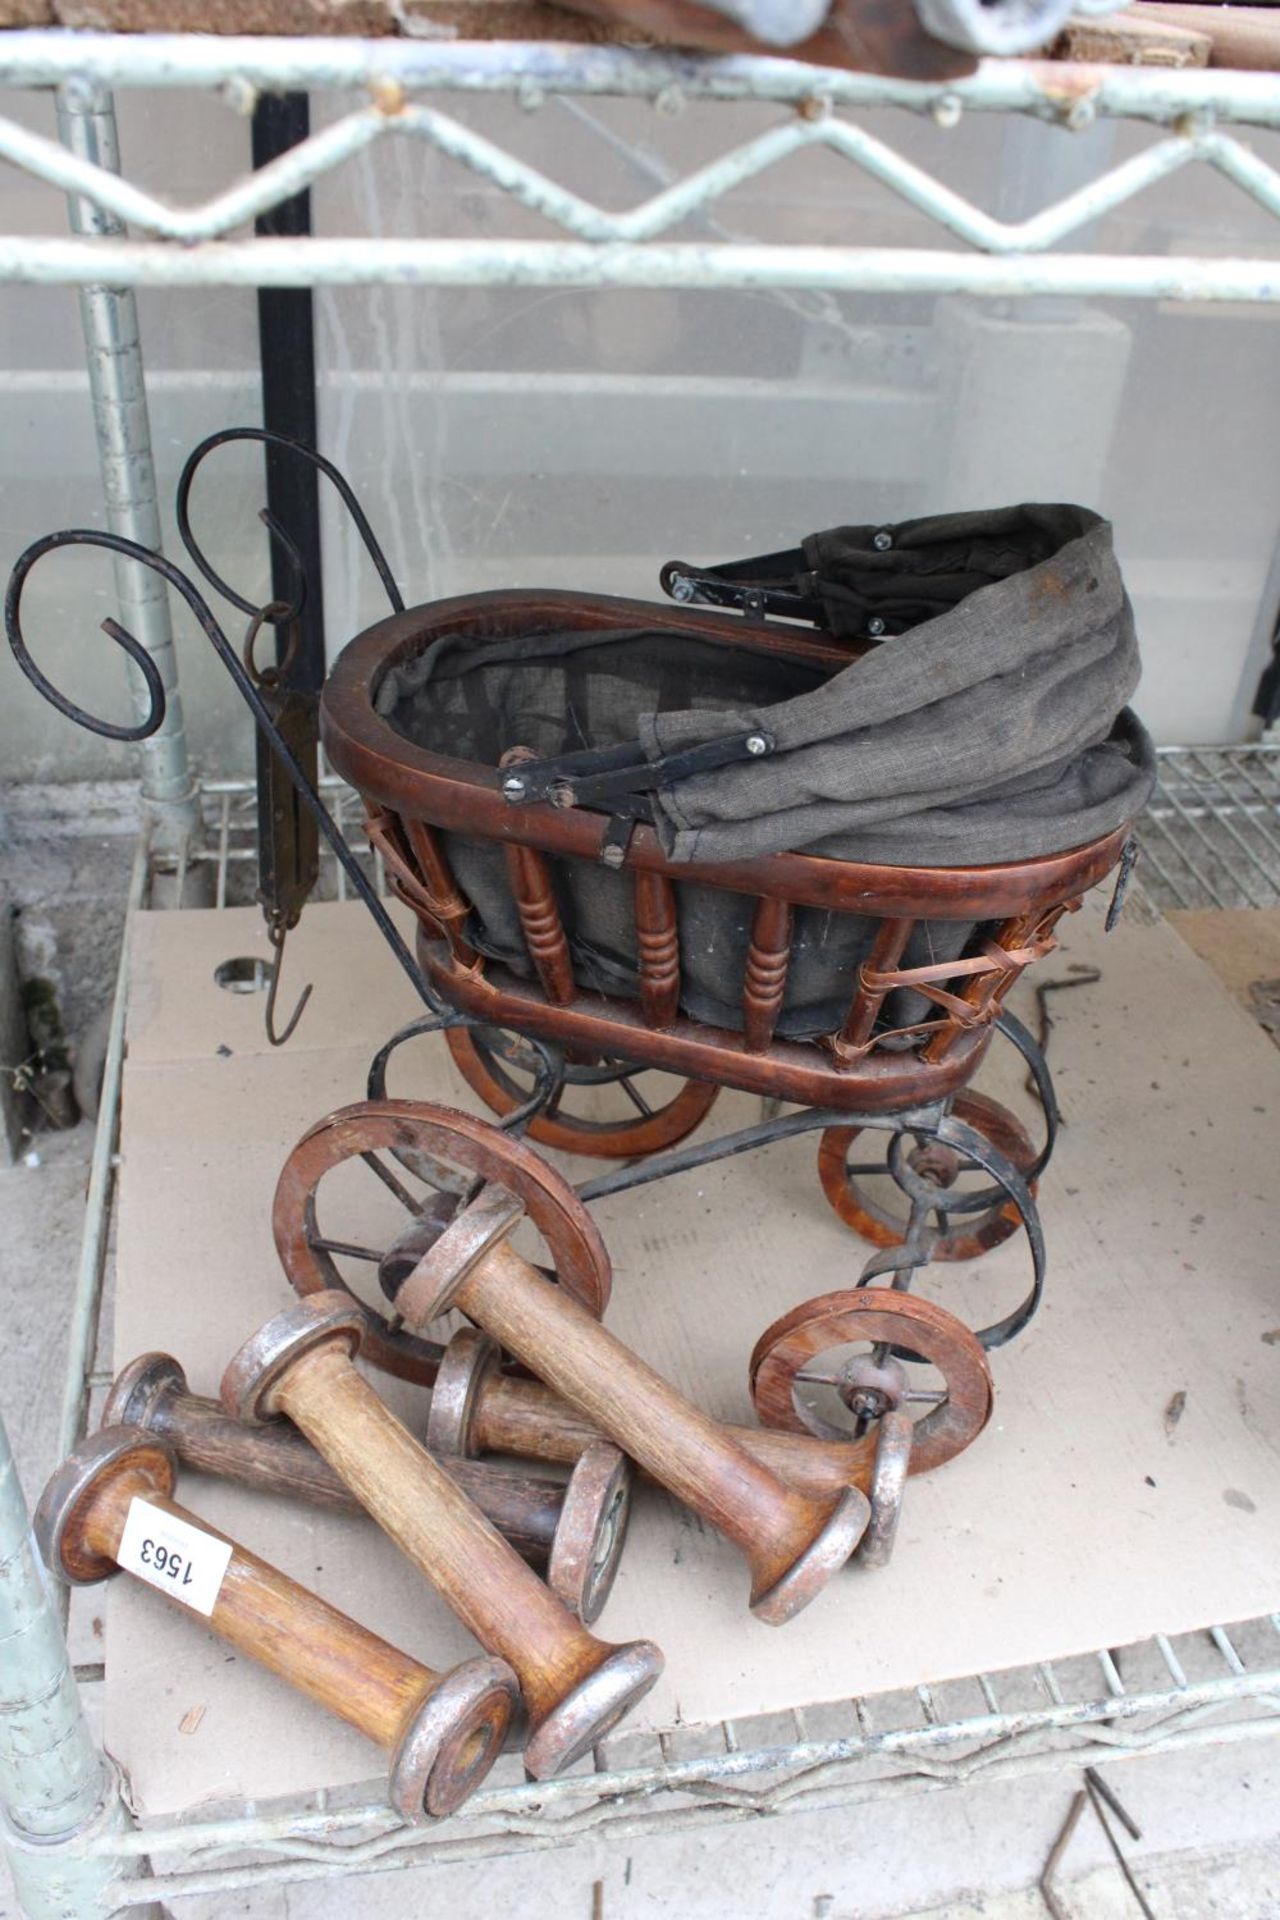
(476,1408)
(793,1541)
(573,1530)
(575,1687)
(443,1731)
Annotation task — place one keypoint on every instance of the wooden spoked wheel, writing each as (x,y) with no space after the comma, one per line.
(646,1129)
(838,1349)
(968,1230)
(442,1151)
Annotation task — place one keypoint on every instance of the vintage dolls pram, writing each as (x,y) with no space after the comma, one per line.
(800,840)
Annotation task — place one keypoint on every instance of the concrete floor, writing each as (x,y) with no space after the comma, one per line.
(1211,1818)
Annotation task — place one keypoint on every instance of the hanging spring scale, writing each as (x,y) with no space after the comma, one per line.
(288,839)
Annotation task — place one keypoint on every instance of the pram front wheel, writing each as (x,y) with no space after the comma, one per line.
(432,1144)
(973,1221)
(826,1368)
(646,1129)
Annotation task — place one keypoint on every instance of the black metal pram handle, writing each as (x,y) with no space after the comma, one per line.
(622,776)
(781,584)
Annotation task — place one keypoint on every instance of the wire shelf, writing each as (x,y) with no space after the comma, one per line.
(1211,837)
(1216,1686)
(1220,1686)
(202,244)
(227,847)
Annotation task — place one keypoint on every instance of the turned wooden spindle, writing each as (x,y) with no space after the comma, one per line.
(476,1408)
(886,951)
(444,1731)
(657,948)
(572,1530)
(575,1687)
(765,980)
(443,910)
(532,888)
(450,907)
(793,1541)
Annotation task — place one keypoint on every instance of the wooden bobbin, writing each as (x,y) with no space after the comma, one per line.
(443,1731)
(793,1541)
(575,1687)
(573,1530)
(478,1409)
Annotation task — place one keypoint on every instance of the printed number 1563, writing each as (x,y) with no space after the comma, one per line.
(168,1561)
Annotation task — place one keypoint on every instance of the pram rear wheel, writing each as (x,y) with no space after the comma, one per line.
(974,1222)
(810,1372)
(629,1137)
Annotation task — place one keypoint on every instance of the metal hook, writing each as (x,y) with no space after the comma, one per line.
(276,931)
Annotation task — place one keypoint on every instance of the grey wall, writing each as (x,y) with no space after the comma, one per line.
(510,438)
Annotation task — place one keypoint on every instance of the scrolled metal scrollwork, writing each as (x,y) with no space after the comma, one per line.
(249,692)
(285,443)
(142,660)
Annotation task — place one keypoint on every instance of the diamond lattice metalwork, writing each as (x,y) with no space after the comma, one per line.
(595,246)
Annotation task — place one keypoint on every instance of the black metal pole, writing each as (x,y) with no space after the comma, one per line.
(288,843)
(286,346)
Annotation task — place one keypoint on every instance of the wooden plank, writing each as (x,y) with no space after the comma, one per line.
(1131,40)
(1243,948)
(1246,38)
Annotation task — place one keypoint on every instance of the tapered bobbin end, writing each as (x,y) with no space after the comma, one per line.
(467,1362)
(888,1484)
(453,1740)
(435,1282)
(826,1554)
(249,1383)
(141,1389)
(418,1238)
(593,1708)
(591,1530)
(144,1464)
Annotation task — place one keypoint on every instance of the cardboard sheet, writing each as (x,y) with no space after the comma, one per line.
(1083,1517)
(1241,944)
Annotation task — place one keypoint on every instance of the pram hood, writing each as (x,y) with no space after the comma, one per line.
(991,727)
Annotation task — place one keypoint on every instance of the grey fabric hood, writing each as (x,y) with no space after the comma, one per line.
(993,729)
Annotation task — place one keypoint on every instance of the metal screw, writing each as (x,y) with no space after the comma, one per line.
(682,587)
(513,787)
(240,95)
(947,111)
(612,855)
(388,97)
(875,627)
(882,541)
(756,743)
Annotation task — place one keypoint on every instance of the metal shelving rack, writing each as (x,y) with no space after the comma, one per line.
(73,1846)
